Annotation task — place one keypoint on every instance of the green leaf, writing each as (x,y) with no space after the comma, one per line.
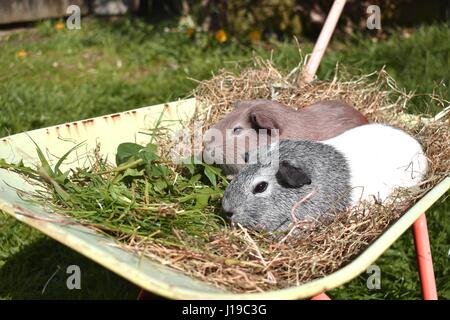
(126,151)
(61,177)
(195,178)
(218,173)
(190,167)
(64,157)
(160,185)
(211,174)
(201,200)
(216,194)
(187,198)
(59,190)
(149,153)
(19,168)
(44,163)
(157,124)
(132,173)
(156,171)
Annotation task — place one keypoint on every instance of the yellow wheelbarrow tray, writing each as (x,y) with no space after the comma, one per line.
(130,126)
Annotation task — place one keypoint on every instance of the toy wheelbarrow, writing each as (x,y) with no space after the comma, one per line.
(110,131)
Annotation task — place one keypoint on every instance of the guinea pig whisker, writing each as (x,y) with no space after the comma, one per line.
(295,220)
(298,203)
(280,224)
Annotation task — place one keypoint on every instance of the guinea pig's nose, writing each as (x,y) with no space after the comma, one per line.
(226,207)
(227,215)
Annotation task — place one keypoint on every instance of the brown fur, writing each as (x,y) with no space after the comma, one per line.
(320,121)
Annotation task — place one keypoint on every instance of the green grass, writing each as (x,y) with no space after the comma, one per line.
(108,67)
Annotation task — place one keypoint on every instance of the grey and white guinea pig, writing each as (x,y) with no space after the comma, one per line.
(319,121)
(362,163)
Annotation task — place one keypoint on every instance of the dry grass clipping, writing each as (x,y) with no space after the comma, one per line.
(241,261)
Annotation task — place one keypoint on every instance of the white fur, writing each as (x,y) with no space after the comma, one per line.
(381,158)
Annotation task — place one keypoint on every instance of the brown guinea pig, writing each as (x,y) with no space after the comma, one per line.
(320,121)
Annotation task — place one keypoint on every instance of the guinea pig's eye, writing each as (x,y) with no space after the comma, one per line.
(260,187)
(237,130)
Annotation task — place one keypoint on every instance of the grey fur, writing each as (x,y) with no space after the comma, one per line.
(327,169)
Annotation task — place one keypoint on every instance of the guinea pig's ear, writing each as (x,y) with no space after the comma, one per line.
(289,176)
(260,120)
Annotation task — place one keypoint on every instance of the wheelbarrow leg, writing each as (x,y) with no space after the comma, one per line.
(424,259)
(321,296)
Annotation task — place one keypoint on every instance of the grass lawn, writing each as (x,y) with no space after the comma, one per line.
(50,76)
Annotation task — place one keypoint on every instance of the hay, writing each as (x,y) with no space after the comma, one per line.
(240,260)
